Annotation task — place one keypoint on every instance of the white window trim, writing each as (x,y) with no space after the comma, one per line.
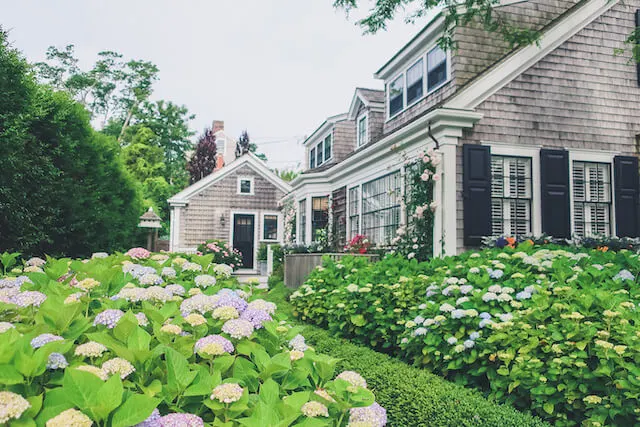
(246,178)
(279,225)
(501,149)
(359,215)
(425,91)
(594,157)
(359,143)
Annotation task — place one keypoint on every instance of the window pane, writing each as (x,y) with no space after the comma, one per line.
(396,96)
(436,67)
(319,157)
(312,158)
(381,208)
(354,208)
(510,196)
(592,199)
(319,215)
(414,82)
(270,227)
(245,186)
(302,220)
(362,131)
(327,148)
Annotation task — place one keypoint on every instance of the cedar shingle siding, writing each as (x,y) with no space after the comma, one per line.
(200,219)
(580,96)
(344,136)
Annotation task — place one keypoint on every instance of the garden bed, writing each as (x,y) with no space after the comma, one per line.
(548,329)
(160,340)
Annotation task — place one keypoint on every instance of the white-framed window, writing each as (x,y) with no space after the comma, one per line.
(221,145)
(270,226)
(319,215)
(302,220)
(381,208)
(362,130)
(425,75)
(245,185)
(415,84)
(511,195)
(322,152)
(436,68)
(592,198)
(354,211)
(396,96)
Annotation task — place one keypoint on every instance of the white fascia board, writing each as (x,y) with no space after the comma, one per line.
(519,61)
(324,128)
(447,122)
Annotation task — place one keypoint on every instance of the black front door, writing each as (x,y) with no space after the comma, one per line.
(243,238)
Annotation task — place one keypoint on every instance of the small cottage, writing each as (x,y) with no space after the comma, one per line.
(237,203)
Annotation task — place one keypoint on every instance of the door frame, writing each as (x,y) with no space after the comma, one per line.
(256,232)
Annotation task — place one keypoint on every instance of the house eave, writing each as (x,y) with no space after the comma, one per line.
(324,128)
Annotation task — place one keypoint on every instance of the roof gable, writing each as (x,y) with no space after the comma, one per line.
(370,98)
(248,159)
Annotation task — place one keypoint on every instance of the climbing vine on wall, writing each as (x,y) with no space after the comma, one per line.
(415,238)
(289,215)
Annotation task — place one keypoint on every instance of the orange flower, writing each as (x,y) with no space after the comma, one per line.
(529,241)
(602,248)
(511,241)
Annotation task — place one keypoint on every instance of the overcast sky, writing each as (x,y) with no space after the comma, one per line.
(277,68)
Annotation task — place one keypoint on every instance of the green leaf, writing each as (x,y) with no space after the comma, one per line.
(10,376)
(358,320)
(178,374)
(135,409)
(270,392)
(56,400)
(548,408)
(82,389)
(110,397)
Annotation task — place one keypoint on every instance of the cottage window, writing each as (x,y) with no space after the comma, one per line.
(245,185)
(592,199)
(381,208)
(302,220)
(319,154)
(396,96)
(436,67)
(327,147)
(362,130)
(312,158)
(510,196)
(414,82)
(354,211)
(319,215)
(270,227)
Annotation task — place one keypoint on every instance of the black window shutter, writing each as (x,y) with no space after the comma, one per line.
(554,177)
(626,191)
(638,43)
(476,181)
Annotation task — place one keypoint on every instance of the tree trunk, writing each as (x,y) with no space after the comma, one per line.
(126,122)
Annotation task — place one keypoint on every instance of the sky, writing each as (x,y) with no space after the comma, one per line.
(277,68)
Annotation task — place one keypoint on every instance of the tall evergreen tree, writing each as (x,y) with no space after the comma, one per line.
(203,161)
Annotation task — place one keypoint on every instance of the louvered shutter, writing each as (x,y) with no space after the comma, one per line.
(476,193)
(626,191)
(554,177)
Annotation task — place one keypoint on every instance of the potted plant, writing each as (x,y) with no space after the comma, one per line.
(262,259)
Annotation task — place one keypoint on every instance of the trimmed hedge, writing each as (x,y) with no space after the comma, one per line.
(411,396)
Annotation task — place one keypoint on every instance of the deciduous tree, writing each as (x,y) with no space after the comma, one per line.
(203,161)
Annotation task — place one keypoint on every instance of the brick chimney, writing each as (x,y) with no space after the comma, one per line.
(218,125)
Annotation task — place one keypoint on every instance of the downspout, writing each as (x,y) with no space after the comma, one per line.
(433,137)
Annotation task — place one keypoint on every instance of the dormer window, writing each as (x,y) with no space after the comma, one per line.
(436,67)
(321,152)
(414,82)
(396,95)
(423,76)
(362,130)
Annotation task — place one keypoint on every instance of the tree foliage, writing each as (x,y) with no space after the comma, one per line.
(203,161)
(286,175)
(456,14)
(63,188)
(244,146)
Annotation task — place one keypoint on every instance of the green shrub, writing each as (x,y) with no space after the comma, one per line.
(222,253)
(545,329)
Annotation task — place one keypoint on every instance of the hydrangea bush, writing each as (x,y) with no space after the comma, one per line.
(142,339)
(550,329)
(222,253)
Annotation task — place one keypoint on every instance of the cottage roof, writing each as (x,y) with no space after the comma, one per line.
(371,98)
(249,159)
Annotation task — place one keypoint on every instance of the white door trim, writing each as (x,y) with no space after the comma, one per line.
(256,216)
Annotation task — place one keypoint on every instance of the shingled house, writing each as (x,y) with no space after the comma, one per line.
(536,139)
(237,203)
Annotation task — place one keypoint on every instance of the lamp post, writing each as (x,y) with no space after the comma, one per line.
(152,222)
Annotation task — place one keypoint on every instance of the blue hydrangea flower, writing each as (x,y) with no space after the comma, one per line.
(57,361)
(108,318)
(152,421)
(496,274)
(256,317)
(43,339)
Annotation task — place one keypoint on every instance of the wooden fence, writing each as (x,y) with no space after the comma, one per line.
(297,267)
